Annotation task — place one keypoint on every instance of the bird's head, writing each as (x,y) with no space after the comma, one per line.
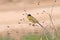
(29,14)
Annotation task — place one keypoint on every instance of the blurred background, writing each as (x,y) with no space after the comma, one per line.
(14,22)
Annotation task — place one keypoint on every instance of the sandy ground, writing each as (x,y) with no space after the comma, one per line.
(13,16)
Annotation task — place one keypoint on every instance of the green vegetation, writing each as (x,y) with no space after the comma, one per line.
(41,37)
(31,36)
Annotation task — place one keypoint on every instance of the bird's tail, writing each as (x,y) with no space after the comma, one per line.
(43,27)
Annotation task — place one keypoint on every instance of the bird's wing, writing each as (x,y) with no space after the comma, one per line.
(33,19)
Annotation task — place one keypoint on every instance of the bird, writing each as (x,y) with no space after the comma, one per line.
(34,20)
